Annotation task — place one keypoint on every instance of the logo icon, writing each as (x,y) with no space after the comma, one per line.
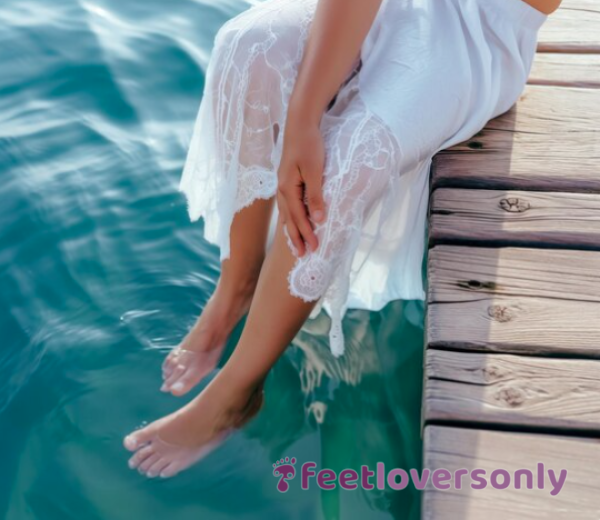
(284,469)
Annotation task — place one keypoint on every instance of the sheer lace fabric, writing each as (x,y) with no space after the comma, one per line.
(236,148)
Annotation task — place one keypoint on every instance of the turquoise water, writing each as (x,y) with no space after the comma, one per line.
(101,273)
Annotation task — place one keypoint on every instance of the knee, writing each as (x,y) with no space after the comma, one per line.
(379,154)
(242,35)
(366,160)
(263,37)
(240,56)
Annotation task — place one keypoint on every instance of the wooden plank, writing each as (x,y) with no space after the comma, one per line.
(495,217)
(559,394)
(548,141)
(458,273)
(566,70)
(456,448)
(517,325)
(572,28)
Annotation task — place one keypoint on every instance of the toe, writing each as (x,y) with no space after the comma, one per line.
(169,363)
(177,372)
(185,383)
(140,456)
(156,469)
(170,470)
(148,463)
(139,438)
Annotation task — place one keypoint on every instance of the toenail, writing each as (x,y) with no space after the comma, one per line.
(151,475)
(131,442)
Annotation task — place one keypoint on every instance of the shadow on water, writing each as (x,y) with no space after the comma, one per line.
(101,272)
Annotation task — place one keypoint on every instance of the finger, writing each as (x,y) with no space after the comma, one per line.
(282,208)
(295,238)
(300,219)
(291,230)
(314,198)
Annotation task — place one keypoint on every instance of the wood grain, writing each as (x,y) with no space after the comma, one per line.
(517,325)
(497,217)
(458,274)
(572,28)
(549,141)
(560,394)
(566,70)
(456,448)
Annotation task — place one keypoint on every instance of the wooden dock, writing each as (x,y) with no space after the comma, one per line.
(512,366)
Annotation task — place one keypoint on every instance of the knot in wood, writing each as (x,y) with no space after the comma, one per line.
(477,285)
(514,205)
(475,145)
(511,396)
(500,313)
(492,373)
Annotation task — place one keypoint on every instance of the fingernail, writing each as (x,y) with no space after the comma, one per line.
(318,216)
(177,387)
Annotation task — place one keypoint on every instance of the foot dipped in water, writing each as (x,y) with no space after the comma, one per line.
(200,351)
(179,440)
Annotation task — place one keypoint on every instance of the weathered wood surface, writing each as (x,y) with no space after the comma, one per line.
(456,448)
(462,274)
(559,394)
(496,217)
(541,301)
(548,141)
(517,325)
(566,70)
(572,28)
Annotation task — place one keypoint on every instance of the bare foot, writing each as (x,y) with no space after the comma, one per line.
(175,442)
(200,351)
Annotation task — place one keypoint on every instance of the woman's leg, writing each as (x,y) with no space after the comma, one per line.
(201,349)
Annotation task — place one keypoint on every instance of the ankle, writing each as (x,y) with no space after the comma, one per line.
(239,382)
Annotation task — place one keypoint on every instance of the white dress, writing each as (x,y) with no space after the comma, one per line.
(430,75)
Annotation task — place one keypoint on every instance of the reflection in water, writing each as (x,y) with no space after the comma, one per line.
(365,405)
(101,272)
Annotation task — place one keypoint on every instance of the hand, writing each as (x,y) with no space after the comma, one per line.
(300,190)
